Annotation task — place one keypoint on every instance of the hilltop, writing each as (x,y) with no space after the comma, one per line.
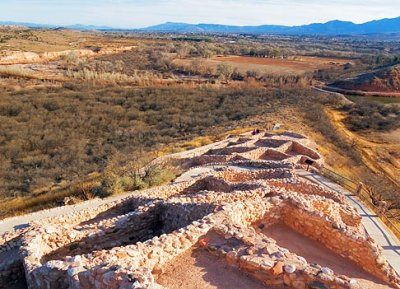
(385,79)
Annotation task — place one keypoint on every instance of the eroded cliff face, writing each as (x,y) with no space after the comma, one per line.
(20,57)
(384,80)
(390,81)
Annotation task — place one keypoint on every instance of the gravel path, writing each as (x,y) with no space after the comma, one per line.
(372,223)
(20,222)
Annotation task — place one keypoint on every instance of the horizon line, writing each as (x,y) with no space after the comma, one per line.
(178,22)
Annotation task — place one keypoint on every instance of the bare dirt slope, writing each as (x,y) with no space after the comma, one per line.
(296,66)
(379,150)
(385,80)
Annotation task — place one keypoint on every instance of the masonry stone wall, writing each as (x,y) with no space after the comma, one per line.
(229,150)
(302,150)
(235,177)
(308,188)
(126,242)
(11,270)
(357,248)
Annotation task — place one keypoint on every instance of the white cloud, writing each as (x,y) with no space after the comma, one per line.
(139,13)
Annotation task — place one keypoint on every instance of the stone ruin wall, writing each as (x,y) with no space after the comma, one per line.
(307,188)
(241,216)
(273,266)
(149,254)
(239,177)
(14,269)
(127,243)
(54,243)
(359,249)
(303,150)
(11,269)
(362,250)
(145,223)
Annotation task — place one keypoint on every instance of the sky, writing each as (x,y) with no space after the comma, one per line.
(143,13)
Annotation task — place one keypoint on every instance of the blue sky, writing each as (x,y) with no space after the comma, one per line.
(140,13)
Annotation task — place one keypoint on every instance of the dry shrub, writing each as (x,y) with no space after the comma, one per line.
(138,173)
(15,71)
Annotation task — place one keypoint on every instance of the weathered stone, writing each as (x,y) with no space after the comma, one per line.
(289,268)
(74,271)
(220,210)
(326,270)
(278,268)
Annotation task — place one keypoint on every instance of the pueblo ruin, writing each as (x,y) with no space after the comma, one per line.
(239,217)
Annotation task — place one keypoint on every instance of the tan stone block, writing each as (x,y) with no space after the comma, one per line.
(250,263)
(231,258)
(122,254)
(277,269)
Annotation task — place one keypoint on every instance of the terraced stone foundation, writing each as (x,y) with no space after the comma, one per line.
(245,219)
(316,253)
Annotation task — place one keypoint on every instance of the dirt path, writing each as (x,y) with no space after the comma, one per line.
(342,97)
(197,269)
(362,92)
(315,252)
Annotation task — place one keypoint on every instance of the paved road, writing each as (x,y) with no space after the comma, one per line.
(372,223)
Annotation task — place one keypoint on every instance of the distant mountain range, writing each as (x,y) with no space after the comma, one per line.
(335,27)
(75,26)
